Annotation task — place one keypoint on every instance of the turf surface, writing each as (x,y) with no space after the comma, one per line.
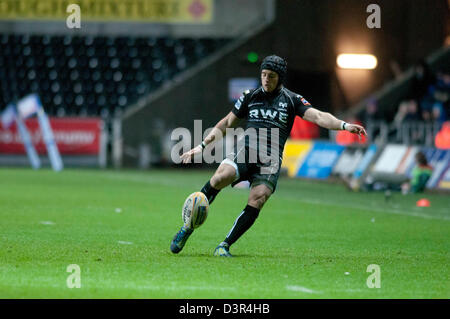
(311,240)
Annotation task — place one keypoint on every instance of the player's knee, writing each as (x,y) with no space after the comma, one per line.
(258,199)
(256,202)
(221,179)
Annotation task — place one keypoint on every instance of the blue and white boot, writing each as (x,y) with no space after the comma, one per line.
(180,239)
(223,250)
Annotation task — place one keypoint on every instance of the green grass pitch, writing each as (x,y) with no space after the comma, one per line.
(311,240)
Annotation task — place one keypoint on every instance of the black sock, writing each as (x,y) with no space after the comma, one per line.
(210,192)
(242,224)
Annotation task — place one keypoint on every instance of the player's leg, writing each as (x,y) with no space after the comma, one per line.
(259,194)
(225,174)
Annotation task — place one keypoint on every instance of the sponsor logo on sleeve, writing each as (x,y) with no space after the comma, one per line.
(239,102)
(304,101)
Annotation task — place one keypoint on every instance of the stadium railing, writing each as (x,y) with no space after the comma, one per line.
(411,132)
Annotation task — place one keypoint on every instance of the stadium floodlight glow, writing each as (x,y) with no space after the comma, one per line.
(356,61)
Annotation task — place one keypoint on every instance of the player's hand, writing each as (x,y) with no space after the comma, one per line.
(188,156)
(356,129)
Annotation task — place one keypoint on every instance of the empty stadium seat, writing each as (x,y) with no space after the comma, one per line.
(93,75)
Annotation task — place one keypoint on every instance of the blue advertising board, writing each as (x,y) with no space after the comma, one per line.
(365,162)
(320,160)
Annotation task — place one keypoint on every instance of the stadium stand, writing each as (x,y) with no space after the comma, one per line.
(93,75)
(413,111)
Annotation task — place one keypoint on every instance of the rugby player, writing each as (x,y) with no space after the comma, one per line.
(271,108)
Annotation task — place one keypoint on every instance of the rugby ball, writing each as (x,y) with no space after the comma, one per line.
(195,210)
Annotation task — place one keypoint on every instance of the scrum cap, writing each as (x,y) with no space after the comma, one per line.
(276,64)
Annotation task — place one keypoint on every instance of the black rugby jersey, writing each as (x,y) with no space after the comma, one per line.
(270,110)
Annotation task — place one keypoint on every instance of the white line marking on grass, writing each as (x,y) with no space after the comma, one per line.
(47,222)
(48,282)
(178,288)
(125,242)
(302,289)
(198,288)
(388,210)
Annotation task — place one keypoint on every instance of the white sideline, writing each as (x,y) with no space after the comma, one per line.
(38,282)
(302,289)
(47,222)
(125,242)
(390,210)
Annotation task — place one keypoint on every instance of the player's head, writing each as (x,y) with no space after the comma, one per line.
(421,158)
(273,72)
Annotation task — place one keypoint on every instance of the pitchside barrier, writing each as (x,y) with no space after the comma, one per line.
(392,163)
(81,142)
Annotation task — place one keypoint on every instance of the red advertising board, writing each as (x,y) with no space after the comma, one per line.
(304,130)
(73,136)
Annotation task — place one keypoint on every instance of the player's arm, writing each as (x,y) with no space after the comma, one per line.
(327,120)
(218,132)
